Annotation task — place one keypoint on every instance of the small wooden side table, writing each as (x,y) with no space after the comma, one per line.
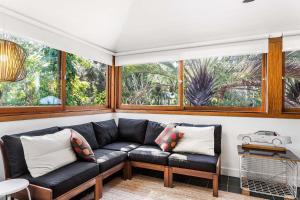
(11,186)
(268,172)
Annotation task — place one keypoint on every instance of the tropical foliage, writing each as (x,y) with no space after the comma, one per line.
(292,79)
(41,85)
(150,84)
(85,81)
(224,81)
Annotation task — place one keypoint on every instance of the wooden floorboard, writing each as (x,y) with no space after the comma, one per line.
(148,188)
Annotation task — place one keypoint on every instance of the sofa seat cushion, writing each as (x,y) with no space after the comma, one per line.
(65,178)
(149,154)
(107,159)
(121,146)
(194,161)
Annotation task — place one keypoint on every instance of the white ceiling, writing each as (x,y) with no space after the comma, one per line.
(127,25)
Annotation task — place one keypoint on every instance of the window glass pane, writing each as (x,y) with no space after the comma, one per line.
(150,84)
(86,82)
(42,83)
(224,81)
(292,79)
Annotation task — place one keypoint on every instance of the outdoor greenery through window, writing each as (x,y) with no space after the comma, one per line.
(86,82)
(292,79)
(42,83)
(232,81)
(150,84)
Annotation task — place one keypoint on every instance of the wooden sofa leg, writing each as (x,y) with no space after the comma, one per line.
(166,176)
(170,177)
(127,170)
(98,188)
(215,185)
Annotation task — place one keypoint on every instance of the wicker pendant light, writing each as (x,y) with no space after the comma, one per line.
(12,58)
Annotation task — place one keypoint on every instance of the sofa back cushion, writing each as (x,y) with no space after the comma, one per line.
(106,132)
(46,153)
(87,131)
(132,130)
(217,134)
(15,153)
(152,132)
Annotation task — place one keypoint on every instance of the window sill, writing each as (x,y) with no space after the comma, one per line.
(216,113)
(41,115)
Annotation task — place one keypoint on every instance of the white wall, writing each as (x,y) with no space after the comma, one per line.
(13,127)
(232,126)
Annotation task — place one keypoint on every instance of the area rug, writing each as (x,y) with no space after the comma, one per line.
(142,187)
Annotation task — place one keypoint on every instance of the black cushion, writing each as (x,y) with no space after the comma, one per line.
(121,146)
(152,132)
(106,132)
(132,130)
(107,159)
(193,161)
(149,154)
(217,134)
(14,150)
(87,131)
(66,178)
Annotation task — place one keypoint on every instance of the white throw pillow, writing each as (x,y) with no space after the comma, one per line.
(198,140)
(46,153)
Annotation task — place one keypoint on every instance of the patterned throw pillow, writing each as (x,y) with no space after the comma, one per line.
(81,147)
(168,138)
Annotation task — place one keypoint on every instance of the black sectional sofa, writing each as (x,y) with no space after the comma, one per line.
(130,144)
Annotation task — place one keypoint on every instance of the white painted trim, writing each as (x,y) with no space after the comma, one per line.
(194,45)
(50,28)
(225,49)
(210,43)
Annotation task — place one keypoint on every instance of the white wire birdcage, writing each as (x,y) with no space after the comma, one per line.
(277,177)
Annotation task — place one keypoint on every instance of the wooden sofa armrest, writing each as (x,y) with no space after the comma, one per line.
(36,192)
(218,167)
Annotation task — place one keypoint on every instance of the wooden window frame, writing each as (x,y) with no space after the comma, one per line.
(181,107)
(40,109)
(120,105)
(87,107)
(57,110)
(260,109)
(272,96)
(272,93)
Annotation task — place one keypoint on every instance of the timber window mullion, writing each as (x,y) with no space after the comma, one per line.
(275,74)
(263,82)
(180,84)
(63,68)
